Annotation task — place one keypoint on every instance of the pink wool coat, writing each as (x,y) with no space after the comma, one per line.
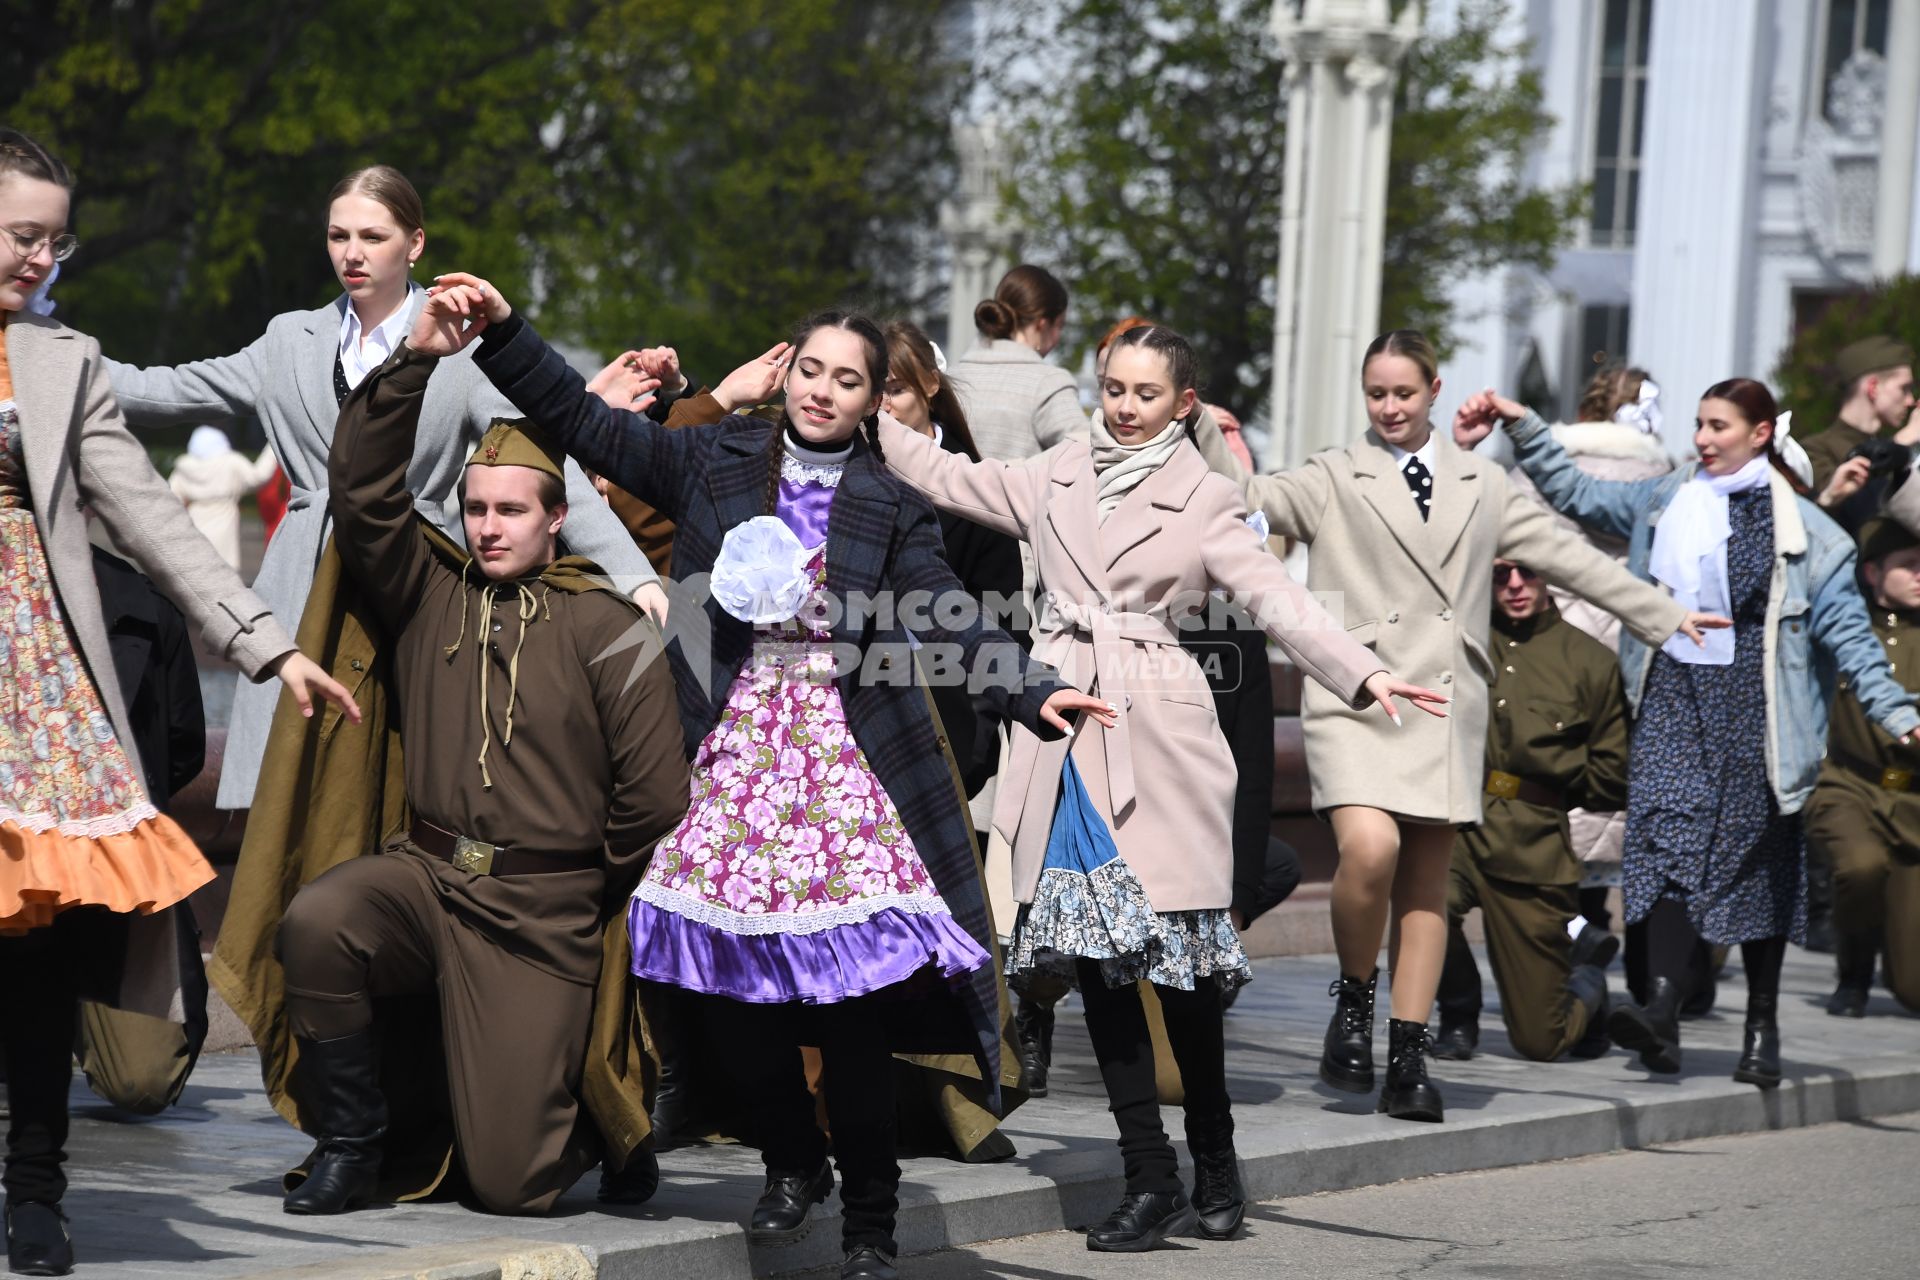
(1163,777)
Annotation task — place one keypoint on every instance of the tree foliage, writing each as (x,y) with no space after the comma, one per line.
(689,171)
(1153,172)
(1806,378)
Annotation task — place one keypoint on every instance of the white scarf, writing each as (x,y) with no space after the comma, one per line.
(1119,468)
(1690,555)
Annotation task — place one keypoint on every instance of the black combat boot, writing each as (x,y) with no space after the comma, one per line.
(671,1103)
(1408,1094)
(1218,1197)
(1651,1030)
(1760,1054)
(1346,1062)
(1458,1038)
(868,1263)
(37,1239)
(634,1183)
(1853,955)
(780,1215)
(339,1088)
(1587,986)
(1141,1221)
(1033,1021)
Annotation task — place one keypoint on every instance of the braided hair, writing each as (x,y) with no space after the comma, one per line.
(876,346)
(20,154)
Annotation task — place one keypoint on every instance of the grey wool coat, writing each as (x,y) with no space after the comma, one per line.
(285,379)
(1017,404)
(79,456)
(1420,594)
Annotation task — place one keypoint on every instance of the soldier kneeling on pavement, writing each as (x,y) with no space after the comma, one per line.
(1556,739)
(1865,810)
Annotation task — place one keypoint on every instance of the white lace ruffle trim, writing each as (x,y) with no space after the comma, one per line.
(114,824)
(821,473)
(761,924)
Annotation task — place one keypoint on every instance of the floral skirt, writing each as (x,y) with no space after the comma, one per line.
(1107,917)
(76,826)
(792,877)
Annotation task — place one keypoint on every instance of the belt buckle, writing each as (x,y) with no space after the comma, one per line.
(1896,779)
(1504,785)
(472,856)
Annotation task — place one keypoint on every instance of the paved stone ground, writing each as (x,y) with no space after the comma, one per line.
(1831,1200)
(196,1192)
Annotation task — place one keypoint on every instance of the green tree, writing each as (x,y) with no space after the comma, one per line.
(697,172)
(1152,173)
(1808,382)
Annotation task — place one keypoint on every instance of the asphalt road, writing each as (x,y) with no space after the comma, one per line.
(1838,1200)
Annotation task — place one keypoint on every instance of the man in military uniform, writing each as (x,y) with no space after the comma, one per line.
(1556,738)
(1865,812)
(1855,459)
(542,763)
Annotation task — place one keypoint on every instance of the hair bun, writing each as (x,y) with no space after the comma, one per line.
(993,318)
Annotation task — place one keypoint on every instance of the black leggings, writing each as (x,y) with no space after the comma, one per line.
(1117,1024)
(760,1045)
(1672,944)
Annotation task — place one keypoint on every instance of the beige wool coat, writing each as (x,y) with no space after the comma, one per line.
(1163,777)
(80,456)
(1420,595)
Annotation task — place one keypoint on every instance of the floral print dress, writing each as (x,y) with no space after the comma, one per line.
(792,877)
(76,826)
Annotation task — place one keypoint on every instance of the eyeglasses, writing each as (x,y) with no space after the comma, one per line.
(1501,572)
(28,243)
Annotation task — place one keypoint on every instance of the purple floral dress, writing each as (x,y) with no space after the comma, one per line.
(792,877)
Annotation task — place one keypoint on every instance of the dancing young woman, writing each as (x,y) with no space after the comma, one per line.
(823,884)
(1728,738)
(83,849)
(1129,533)
(294,377)
(1404,525)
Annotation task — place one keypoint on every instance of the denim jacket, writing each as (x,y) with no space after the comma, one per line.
(1817,622)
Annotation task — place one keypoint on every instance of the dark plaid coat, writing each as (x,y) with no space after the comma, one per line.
(881,537)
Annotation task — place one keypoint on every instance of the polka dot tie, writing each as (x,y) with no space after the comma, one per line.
(340,387)
(1420,480)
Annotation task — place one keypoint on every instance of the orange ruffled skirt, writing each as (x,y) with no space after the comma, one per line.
(76,826)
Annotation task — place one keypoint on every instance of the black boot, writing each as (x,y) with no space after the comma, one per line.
(1033,1021)
(1218,1198)
(1760,1056)
(340,1089)
(780,1216)
(634,1184)
(1651,1030)
(1596,947)
(1142,1220)
(1346,1062)
(37,1240)
(1408,1094)
(1820,931)
(1587,986)
(669,1115)
(868,1263)
(1854,956)
(1458,1038)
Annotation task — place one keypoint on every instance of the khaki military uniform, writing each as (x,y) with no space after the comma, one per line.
(1556,739)
(1865,818)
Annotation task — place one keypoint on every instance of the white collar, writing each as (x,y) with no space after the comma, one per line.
(1424,453)
(358,357)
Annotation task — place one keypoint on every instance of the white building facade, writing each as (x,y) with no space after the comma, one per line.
(1750,160)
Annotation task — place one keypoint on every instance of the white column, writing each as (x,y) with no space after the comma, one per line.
(1342,59)
(1692,268)
(1894,224)
(980,238)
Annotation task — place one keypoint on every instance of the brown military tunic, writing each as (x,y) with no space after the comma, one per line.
(583,769)
(1865,816)
(1556,738)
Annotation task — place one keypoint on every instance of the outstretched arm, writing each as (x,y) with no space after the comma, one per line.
(1608,506)
(999,495)
(214,391)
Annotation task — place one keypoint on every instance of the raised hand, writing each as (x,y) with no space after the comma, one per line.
(1385,687)
(1480,413)
(625,384)
(304,678)
(1849,478)
(492,305)
(754,382)
(1064,703)
(663,364)
(451,318)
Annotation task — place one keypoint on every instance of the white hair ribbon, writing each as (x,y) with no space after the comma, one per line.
(1644,413)
(1789,449)
(939,356)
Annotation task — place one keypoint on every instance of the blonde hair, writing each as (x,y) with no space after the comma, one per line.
(386,184)
(1613,386)
(1411,343)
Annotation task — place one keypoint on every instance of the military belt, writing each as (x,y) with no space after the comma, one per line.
(477,857)
(1510,786)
